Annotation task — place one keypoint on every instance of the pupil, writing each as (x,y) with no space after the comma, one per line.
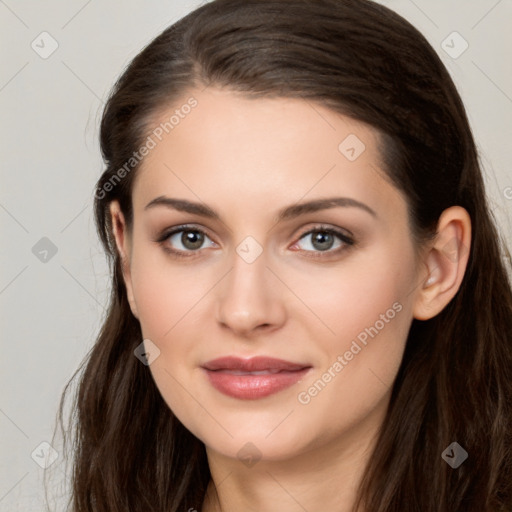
(322,240)
(192,239)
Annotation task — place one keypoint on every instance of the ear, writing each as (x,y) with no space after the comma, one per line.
(445,263)
(124,248)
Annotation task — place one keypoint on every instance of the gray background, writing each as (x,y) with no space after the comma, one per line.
(52,304)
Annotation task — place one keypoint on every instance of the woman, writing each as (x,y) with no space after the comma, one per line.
(309,309)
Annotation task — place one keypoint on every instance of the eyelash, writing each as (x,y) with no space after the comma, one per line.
(347,241)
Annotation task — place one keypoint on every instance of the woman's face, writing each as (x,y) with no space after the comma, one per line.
(304,256)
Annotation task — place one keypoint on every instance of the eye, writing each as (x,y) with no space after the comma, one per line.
(323,239)
(182,240)
(186,241)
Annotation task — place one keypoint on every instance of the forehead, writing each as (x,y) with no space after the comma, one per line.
(230,148)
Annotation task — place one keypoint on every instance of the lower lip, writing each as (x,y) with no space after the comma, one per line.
(252,387)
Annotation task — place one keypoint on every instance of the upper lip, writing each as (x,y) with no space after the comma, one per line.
(253,364)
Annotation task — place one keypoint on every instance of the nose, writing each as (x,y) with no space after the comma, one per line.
(249,299)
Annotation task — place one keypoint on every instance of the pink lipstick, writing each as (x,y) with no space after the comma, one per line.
(250,379)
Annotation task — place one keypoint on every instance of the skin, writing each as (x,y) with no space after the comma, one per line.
(247,159)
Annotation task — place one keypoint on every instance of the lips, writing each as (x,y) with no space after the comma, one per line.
(254,364)
(253,378)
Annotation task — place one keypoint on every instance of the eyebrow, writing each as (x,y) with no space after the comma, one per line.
(287,213)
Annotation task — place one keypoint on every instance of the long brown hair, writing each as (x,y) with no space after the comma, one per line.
(130,453)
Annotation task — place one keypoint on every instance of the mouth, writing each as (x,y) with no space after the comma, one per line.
(254,378)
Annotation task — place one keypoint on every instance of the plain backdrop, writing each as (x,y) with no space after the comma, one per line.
(54,279)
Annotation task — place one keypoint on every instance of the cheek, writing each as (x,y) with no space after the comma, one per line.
(167,298)
(359,363)
(165,292)
(365,313)
(359,295)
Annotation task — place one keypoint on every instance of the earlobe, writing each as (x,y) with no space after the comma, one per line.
(445,263)
(121,237)
(430,281)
